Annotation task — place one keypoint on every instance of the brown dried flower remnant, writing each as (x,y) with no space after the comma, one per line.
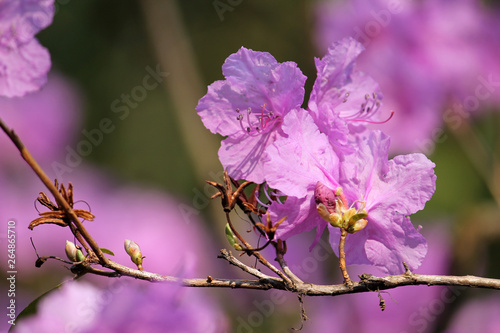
(57,215)
(228,196)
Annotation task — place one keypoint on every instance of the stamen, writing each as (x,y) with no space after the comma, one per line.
(249,111)
(346,97)
(266,119)
(363,204)
(341,197)
(260,202)
(266,192)
(375,122)
(261,118)
(369,107)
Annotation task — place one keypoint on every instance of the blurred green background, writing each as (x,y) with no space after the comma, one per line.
(105,48)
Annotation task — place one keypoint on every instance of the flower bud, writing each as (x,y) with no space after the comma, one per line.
(323,195)
(357,226)
(73,252)
(70,250)
(332,207)
(327,204)
(357,221)
(79,255)
(134,252)
(335,220)
(348,214)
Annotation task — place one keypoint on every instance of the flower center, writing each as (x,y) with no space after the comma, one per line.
(254,123)
(334,210)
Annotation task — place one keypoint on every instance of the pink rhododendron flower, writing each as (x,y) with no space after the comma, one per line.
(249,106)
(392,190)
(389,191)
(343,99)
(294,165)
(24,63)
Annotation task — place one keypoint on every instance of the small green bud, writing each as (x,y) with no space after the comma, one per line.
(231,238)
(358,216)
(357,221)
(348,214)
(332,218)
(134,251)
(79,255)
(323,212)
(356,226)
(335,220)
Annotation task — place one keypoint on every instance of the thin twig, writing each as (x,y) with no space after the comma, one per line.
(257,254)
(290,274)
(284,266)
(250,270)
(342,265)
(367,283)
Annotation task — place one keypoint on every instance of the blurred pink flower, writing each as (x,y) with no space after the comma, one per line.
(479,315)
(125,306)
(173,243)
(46,121)
(24,63)
(426,56)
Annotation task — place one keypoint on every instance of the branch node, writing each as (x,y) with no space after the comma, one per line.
(407,269)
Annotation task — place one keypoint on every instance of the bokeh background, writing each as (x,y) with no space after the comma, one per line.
(143,176)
